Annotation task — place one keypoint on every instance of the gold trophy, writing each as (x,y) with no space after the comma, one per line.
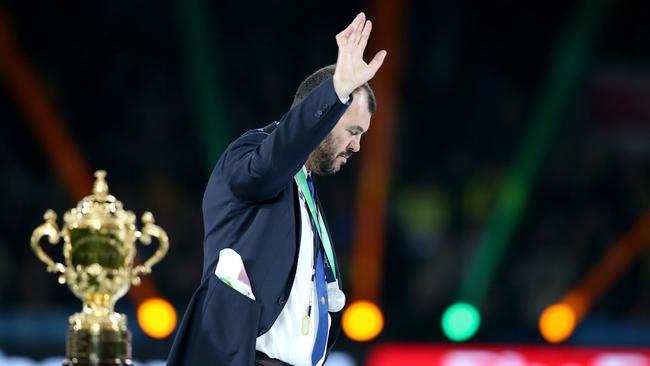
(99,246)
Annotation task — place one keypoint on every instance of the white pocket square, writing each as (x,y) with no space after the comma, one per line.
(230,270)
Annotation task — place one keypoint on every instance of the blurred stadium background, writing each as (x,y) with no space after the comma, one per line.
(498,213)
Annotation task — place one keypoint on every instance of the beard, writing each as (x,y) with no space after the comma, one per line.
(322,160)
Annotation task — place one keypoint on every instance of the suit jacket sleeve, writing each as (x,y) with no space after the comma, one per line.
(260,170)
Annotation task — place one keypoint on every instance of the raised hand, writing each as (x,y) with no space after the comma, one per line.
(351,70)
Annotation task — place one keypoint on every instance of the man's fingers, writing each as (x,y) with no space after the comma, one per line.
(364,36)
(358,22)
(345,34)
(366,30)
(376,62)
(349,31)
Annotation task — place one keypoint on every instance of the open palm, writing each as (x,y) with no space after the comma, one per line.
(351,70)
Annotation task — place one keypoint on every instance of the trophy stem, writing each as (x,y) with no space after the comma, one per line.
(98,337)
(86,347)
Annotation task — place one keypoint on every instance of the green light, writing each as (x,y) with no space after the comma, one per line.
(460,321)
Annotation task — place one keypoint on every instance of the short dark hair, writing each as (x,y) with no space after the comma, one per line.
(319,76)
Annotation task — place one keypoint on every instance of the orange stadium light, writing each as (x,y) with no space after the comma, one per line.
(557,322)
(157,317)
(362,321)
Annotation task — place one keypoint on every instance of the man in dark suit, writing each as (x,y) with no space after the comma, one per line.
(270,291)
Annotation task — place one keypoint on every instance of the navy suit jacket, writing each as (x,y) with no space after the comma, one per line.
(251,205)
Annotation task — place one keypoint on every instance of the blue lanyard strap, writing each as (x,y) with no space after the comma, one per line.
(301,180)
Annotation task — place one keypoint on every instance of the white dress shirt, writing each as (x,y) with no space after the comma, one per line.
(285,341)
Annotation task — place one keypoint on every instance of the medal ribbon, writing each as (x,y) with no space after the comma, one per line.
(301,180)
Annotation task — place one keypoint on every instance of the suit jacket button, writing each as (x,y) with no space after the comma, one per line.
(318,113)
(325,106)
(281,300)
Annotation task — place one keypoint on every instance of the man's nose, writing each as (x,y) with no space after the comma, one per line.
(355,144)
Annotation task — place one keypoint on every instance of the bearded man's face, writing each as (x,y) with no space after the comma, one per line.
(343,140)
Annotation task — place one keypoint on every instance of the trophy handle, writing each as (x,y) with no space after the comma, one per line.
(150,230)
(49,229)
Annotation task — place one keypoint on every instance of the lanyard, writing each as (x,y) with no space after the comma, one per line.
(301,180)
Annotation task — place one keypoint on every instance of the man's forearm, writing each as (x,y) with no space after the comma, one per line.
(260,171)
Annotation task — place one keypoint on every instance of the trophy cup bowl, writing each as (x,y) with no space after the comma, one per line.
(98,249)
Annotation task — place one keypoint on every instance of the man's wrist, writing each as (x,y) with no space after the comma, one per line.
(342,93)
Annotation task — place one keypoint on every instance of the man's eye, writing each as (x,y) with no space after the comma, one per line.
(354,133)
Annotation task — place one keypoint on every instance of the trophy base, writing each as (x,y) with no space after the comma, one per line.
(106,348)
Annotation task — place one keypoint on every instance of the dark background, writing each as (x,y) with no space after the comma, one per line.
(472,74)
